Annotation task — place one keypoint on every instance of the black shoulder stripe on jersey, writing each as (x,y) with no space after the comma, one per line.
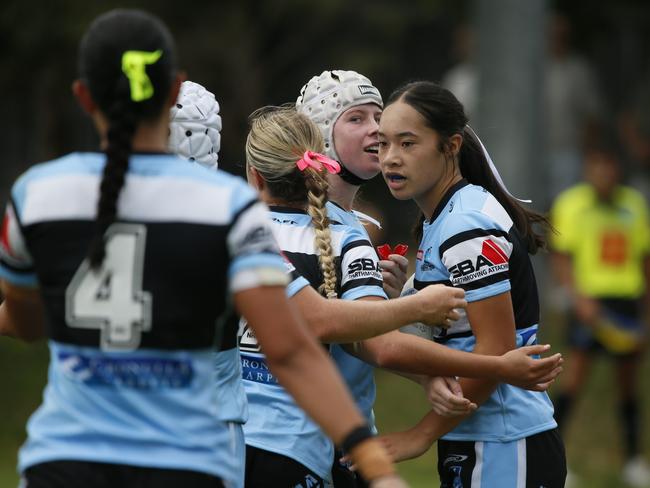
(306,266)
(353,244)
(418,285)
(488,280)
(11,266)
(361,282)
(470,234)
(240,212)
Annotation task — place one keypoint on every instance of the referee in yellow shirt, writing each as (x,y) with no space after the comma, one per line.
(602,258)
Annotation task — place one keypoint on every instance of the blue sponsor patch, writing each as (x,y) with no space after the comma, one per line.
(130,372)
(254,368)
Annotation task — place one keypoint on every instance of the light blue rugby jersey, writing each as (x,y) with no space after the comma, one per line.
(143,389)
(470,242)
(358,375)
(275,422)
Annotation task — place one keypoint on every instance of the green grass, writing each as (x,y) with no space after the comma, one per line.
(24,371)
(594,446)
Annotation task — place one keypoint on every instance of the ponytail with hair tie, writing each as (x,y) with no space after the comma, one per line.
(127,59)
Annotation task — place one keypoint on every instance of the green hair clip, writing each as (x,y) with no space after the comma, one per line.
(133,66)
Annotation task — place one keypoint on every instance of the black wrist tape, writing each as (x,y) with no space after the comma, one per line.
(357,436)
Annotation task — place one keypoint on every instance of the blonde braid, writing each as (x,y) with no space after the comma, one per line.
(278,138)
(316,198)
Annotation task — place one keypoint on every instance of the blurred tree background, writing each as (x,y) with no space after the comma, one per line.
(252,53)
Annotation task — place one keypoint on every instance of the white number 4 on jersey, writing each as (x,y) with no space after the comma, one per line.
(111,298)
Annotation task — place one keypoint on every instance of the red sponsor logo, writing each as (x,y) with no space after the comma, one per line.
(420,255)
(492,260)
(493,252)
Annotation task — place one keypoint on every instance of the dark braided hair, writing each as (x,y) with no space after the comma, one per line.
(443,113)
(124,99)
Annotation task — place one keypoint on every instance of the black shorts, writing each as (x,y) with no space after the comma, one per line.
(343,477)
(83,474)
(622,312)
(532,462)
(266,469)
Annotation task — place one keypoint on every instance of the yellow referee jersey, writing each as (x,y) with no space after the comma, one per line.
(607,241)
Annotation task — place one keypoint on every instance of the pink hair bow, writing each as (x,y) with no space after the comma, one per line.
(317,161)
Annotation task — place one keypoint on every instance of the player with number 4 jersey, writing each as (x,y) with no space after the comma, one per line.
(131,262)
(119,359)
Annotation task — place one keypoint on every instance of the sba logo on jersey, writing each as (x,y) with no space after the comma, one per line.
(363,264)
(492,260)
(364,268)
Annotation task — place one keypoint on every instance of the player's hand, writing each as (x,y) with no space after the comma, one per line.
(440,304)
(446,396)
(405,445)
(521,370)
(393,271)
(393,481)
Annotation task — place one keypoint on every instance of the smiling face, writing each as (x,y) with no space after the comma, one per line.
(355,139)
(411,157)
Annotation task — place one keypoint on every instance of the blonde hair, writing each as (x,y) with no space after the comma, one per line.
(277,139)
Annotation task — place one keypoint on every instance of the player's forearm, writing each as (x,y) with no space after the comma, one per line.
(414,355)
(433,426)
(479,390)
(352,321)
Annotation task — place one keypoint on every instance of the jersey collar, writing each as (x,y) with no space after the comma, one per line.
(446,197)
(288,210)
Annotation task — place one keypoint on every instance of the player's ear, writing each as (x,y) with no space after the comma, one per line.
(255,178)
(176,88)
(82,93)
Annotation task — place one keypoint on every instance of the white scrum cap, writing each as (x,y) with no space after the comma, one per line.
(195,125)
(326,96)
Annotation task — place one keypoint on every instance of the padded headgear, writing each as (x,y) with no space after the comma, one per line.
(195,125)
(326,96)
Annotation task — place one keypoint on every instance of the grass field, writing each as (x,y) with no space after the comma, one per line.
(593,440)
